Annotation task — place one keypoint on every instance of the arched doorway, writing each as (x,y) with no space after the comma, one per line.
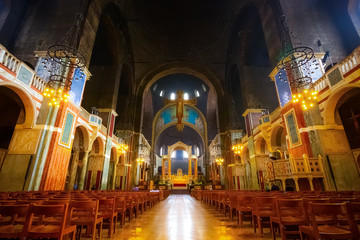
(112,169)
(13,108)
(279,149)
(96,164)
(79,147)
(245,181)
(18,107)
(348,114)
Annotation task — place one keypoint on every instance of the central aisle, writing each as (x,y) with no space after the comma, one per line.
(182,217)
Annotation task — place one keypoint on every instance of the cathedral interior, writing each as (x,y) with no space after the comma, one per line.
(207,102)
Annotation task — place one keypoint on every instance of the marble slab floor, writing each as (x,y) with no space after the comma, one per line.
(183,217)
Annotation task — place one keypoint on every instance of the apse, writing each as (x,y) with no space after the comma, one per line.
(193,88)
(171,135)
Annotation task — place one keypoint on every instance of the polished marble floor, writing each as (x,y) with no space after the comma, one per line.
(182,217)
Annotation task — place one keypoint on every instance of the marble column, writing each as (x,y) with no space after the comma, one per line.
(196,169)
(169,168)
(84,167)
(163,170)
(189,170)
(73,168)
(113,185)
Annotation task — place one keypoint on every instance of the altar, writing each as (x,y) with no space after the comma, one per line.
(179,179)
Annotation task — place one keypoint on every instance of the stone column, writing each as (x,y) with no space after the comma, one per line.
(296,180)
(73,168)
(189,170)
(84,168)
(113,184)
(169,168)
(310,179)
(163,170)
(196,170)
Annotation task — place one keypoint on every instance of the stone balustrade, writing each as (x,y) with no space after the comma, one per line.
(344,67)
(9,60)
(38,83)
(321,84)
(13,64)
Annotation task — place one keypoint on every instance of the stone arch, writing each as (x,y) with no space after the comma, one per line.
(109,51)
(114,155)
(331,103)
(180,146)
(278,139)
(245,155)
(98,146)
(216,89)
(80,145)
(29,105)
(204,140)
(261,146)
(86,133)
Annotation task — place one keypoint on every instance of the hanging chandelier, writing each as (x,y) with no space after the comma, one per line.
(64,59)
(298,63)
(237,148)
(219,160)
(140,160)
(122,148)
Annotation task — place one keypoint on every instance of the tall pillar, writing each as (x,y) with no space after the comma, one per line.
(196,169)
(73,168)
(163,170)
(113,184)
(189,170)
(84,167)
(169,168)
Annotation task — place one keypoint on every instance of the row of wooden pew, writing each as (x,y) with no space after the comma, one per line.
(56,214)
(292,215)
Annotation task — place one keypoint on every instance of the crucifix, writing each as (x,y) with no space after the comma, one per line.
(180,101)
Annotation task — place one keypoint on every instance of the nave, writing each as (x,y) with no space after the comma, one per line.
(182,217)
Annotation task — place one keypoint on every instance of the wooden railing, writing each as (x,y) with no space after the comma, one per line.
(287,168)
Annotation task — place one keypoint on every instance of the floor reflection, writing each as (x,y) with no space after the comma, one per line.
(182,217)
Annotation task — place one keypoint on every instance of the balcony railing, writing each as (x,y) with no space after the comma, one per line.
(342,68)
(13,64)
(300,167)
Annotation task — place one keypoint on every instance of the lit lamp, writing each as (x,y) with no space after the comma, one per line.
(237,148)
(307,99)
(219,161)
(140,160)
(56,96)
(122,148)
